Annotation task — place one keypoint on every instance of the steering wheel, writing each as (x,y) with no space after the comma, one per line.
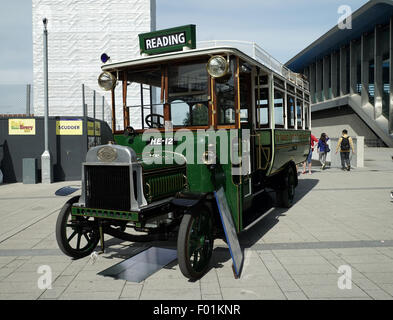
(154,123)
(129,131)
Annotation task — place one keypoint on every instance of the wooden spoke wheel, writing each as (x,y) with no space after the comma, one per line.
(195,243)
(286,195)
(76,236)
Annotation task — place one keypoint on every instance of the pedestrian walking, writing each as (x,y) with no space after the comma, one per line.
(308,161)
(323,149)
(345,144)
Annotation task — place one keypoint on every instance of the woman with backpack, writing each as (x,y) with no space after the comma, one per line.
(323,149)
(345,144)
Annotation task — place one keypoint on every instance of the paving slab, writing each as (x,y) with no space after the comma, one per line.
(290,254)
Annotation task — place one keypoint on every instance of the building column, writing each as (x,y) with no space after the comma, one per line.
(352,66)
(333,72)
(306,73)
(343,71)
(325,80)
(312,82)
(378,81)
(318,81)
(364,70)
(390,126)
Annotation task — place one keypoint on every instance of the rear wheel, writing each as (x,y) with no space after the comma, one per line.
(286,195)
(76,236)
(195,243)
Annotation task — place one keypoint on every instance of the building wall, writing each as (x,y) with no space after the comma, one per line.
(333,121)
(67,151)
(79,32)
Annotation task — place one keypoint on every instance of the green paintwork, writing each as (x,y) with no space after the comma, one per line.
(104,213)
(289,145)
(162,180)
(190,35)
(200,179)
(264,137)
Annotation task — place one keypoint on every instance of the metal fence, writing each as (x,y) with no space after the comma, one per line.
(17,99)
(96,105)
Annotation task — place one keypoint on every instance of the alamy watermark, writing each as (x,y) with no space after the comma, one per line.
(345,19)
(209,147)
(45,281)
(345,281)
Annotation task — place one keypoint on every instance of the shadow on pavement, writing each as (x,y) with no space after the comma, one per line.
(263,206)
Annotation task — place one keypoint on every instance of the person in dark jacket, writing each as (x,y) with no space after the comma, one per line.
(323,149)
(345,144)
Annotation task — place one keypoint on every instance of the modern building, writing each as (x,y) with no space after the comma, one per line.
(79,31)
(351,77)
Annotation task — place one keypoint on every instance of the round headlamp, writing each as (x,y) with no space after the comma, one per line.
(217,66)
(107,81)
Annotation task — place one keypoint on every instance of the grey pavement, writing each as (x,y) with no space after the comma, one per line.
(339,219)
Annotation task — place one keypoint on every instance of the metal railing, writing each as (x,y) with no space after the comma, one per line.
(260,55)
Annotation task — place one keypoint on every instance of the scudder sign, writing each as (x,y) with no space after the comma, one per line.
(69,127)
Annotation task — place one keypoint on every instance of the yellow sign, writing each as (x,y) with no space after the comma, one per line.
(21,126)
(90,128)
(69,127)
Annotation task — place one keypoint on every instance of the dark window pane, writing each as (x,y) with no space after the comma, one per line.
(225,93)
(278,108)
(291,111)
(188,87)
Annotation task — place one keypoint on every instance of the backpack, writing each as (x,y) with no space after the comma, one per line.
(327,149)
(345,146)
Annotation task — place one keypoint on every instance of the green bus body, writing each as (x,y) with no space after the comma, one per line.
(272,149)
(275,154)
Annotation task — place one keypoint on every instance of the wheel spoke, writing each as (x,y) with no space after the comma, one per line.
(72,236)
(195,262)
(86,237)
(78,244)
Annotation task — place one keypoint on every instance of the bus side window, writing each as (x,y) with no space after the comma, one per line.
(291,111)
(299,111)
(245,99)
(263,110)
(278,108)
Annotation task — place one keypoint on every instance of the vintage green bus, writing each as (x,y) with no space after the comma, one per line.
(192,93)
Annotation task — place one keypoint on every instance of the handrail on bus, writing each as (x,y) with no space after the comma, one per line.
(260,55)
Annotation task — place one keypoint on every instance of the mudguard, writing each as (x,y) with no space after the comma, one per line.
(187,200)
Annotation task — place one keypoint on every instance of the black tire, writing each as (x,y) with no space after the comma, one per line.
(80,226)
(286,195)
(194,227)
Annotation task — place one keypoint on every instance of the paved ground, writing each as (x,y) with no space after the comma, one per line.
(340,218)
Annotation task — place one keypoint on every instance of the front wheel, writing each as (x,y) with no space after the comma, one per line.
(195,243)
(76,236)
(286,195)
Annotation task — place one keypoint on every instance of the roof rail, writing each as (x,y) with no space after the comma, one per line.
(260,55)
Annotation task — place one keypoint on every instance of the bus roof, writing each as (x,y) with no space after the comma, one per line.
(248,51)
